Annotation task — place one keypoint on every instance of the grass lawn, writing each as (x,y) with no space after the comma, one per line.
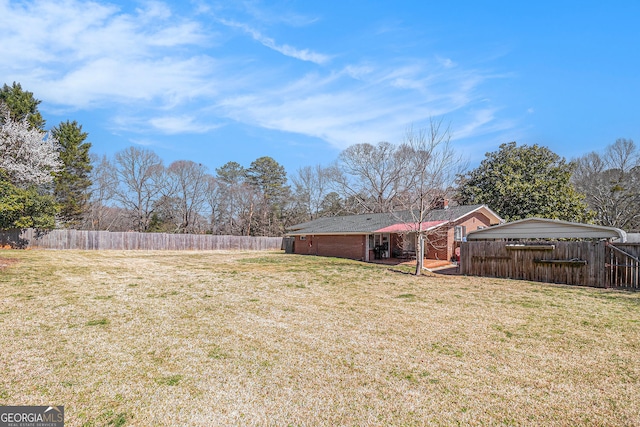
(248,338)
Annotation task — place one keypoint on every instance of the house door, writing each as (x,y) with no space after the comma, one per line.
(386,245)
(381,245)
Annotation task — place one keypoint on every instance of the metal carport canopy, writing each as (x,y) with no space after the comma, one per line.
(543,228)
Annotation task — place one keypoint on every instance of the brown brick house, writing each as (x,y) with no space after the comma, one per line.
(389,235)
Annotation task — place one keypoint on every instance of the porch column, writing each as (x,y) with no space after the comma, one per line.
(366,248)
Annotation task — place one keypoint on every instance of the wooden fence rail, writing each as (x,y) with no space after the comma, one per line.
(587,263)
(572,263)
(105,240)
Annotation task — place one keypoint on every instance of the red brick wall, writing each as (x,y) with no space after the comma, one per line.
(341,246)
(442,245)
(472,222)
(437,245)
(300,246)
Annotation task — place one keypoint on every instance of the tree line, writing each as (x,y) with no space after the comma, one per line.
(50,179)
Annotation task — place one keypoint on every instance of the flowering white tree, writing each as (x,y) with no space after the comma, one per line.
(28,155)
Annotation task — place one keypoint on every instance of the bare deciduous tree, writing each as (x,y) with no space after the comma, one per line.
(186,183)
(371,175)
(611,184)
(248,201)
(139,174)
(230,180)
(430,166)
(102,190)
(213,197)
(311,187)
(409,180)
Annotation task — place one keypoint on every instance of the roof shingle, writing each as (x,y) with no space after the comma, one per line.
(369,223)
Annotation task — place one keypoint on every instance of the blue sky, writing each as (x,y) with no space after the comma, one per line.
(300,81)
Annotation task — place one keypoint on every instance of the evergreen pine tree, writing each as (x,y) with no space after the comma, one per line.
(72,182)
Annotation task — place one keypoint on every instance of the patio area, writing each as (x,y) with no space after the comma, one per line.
(431,264)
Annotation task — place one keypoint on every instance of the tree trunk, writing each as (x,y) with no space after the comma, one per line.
(419,254)
(250,219)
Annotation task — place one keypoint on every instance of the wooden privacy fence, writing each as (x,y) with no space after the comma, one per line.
(587,263)
(105,240)
(622,265)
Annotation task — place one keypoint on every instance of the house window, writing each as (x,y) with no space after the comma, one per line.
(459,232)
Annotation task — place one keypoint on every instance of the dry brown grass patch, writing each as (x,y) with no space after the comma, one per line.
(7,262)
(246,338)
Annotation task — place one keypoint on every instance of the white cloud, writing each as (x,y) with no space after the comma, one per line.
(275,15)
(481,122)
(154,10)
(158,72)
(378,106)
(359,72)
(168,124)
(446,62)
(301,54)
(108,80)
(180,124)
(143,142)
(84,53)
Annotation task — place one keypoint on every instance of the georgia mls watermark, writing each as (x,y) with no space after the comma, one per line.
(31,416)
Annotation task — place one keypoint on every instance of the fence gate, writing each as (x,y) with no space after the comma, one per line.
(622,266)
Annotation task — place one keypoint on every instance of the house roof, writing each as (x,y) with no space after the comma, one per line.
(372,223)
(542,228)
(404,227)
